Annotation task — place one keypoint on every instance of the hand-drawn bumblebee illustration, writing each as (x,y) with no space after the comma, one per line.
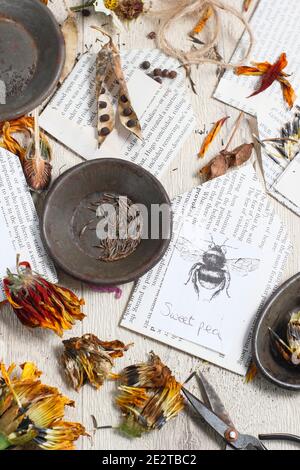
(212,269)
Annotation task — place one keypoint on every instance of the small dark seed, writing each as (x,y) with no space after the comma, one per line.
(172,74)
(105,131)
(102,104)
(124,99)
(152,35)
(85,12)
(158,79)
(145,65)
(165,73)
(157,72)
(102,91)
(131,123)
(127,111)
(104,118)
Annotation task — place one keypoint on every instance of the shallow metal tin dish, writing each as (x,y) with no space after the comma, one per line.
(62,220)
(32,55)
(276,315)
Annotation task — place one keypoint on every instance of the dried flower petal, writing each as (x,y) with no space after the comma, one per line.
(37,168)
(39,303)
(211,136)
(269,74)
(150,397)
(203,20)
(130,9)
(246,5)
(89,360)
(251,373)
(32,413)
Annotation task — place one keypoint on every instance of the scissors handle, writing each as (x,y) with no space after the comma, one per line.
(280,437)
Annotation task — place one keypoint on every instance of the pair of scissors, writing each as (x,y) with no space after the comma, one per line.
(212,411)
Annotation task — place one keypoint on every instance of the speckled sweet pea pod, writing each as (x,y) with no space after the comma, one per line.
(106,115)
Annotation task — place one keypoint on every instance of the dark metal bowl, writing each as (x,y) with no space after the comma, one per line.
(32,55)
(276,315)
(63,218)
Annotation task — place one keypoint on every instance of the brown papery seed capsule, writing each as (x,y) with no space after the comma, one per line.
(152,35)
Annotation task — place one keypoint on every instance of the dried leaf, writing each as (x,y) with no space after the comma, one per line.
(70,33)
(219,165)
(269,74)
(210,137)
(246,5)
(203,20)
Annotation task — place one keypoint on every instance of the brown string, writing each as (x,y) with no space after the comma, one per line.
(181,8)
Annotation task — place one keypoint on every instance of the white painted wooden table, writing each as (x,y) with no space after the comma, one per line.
(256,407)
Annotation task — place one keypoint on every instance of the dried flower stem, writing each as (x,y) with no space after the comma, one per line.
(234,130)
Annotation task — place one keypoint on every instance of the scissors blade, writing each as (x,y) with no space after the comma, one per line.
(212,399)
(209,416)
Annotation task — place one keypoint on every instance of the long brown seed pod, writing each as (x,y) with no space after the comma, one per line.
(128,117)
(70,33)
(106,115)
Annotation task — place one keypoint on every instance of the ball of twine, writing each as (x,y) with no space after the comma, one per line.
(179,9)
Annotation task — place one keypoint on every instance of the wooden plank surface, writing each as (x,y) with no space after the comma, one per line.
(255,408)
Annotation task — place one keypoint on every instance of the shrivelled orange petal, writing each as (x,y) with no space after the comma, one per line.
(246,5)
(203,20)
(251,373)
(271,74)
(288,92)
(211,136)
(245,70)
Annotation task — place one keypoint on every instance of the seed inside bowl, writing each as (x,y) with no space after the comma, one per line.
(118,225)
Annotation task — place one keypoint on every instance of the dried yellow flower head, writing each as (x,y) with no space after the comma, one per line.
(111,4)
(32,413)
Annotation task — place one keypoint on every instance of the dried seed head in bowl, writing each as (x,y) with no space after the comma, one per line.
(290,350)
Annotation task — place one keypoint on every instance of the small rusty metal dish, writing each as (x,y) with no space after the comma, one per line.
(32,54)
(65,214)
(276,315)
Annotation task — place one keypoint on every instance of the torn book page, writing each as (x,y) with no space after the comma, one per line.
(164,111)
(233,206)
(19,229)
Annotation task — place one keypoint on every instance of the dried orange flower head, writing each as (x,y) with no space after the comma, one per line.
(90,360)
(32,413)
(149,397)
(39,303)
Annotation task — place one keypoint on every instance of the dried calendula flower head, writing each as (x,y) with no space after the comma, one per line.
(39,303)
(130,9)
(149,398)
(290,350)
(153,373)
(90,360)
(32,413)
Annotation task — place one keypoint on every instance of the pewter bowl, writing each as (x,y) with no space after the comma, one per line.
(32,54)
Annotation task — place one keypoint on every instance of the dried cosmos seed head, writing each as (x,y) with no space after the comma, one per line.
(90,360)
(31,413)
(130,9)
(290,350)
(39,303)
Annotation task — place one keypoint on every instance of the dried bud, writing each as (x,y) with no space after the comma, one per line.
(130,9)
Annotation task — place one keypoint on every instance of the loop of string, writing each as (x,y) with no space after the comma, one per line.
(181,8)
